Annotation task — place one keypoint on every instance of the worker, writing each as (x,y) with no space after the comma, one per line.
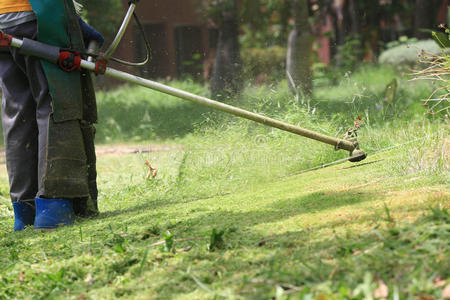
(47,117)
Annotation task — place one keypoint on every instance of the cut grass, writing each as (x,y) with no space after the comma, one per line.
(227,216)
(325,232)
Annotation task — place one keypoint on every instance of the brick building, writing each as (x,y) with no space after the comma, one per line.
(181,39)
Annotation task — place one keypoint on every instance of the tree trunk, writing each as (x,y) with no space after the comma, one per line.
(354,16)
(226,75)
(285,14)
(424,17)
(299,51)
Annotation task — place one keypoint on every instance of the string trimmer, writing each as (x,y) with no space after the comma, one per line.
(70,60)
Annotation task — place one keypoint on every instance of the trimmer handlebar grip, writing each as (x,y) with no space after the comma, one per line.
(41,50)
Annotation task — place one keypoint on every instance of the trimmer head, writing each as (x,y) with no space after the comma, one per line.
(352,135)
(357,155)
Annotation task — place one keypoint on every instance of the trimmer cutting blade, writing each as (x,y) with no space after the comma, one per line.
(357,155)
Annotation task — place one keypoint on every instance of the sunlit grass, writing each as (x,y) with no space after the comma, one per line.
(319,231)
(340,232)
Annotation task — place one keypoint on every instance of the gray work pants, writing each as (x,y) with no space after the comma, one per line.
(26,107)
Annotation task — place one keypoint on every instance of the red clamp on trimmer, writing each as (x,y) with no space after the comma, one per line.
(5,40)
(100,66)
(69,61)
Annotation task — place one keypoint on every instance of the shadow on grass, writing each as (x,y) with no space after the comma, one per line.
(282,209)
(251,262)
(300,259)
(144,215)
(222,218)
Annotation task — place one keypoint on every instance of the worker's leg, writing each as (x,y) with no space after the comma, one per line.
(50,212)
(40,102)
(19,125)
(27,108)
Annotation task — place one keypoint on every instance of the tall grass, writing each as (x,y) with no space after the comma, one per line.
(137,114)
(222,153)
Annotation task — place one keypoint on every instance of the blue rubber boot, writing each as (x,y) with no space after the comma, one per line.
(23,215)
(51,213)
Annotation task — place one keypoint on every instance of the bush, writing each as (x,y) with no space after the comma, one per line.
(408,54)
(261,65)
(350,53)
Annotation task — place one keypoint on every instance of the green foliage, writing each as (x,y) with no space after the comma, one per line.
(264,64)
(262,23)
(265,23)
(168,246)
(349,54)
(403,40)
(137,114)
(443,39)
(220,161)
(214,8)
(408,54)
(216,239)
(363,92)
(58,276)
(440,214)
(220,148)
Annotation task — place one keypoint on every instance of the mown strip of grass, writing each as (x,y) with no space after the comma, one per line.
(341,232)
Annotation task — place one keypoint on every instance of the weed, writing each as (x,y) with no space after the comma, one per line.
(216,239)
(169,244)
(144,258)
(388,214)
(440,214)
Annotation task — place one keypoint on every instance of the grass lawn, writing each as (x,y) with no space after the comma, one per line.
(341,231)
(231,215)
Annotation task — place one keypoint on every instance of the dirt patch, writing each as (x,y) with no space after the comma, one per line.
(117,150)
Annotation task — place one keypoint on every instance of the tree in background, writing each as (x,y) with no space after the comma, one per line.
(265,23)
(226,75)
(299,50)
(361,28)
(425,17)
(347,46)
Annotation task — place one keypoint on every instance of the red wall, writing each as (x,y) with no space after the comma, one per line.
(170,14)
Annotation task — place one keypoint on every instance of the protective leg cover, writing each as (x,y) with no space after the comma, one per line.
(58,26)
(51,213)
(70,168)
(23,215)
